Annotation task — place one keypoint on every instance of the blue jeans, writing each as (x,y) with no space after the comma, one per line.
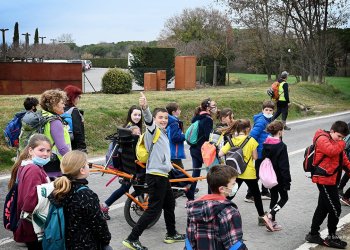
(118,193)
(197,162)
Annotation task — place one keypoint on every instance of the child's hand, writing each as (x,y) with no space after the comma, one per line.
(143,101)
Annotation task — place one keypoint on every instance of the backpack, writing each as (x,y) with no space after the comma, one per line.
(10,208)
(209,150)
(309,155)
(13,129)
(191,134)
(32,123)
(273,92)
(141,152)
(54,231)
(67,117)
(235,157)
(267,174)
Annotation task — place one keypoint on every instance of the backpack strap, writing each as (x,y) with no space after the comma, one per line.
(245,141)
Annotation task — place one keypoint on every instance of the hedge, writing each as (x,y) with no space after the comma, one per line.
(110,63)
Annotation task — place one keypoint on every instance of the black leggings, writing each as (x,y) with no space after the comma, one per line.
(275,204)
(254,189)
(34,245)
(282,108)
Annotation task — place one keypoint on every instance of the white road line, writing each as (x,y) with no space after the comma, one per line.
(319,117)
(6,240)
(342,222)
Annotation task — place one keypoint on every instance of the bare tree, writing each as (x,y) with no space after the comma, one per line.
(200,32)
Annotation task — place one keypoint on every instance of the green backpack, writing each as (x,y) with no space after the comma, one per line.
(191,134)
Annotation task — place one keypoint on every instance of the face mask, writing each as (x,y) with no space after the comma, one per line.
(214,110)
(40,161)
(268,116)
(234,190)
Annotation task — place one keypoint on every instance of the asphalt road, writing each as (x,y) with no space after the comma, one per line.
(295,217)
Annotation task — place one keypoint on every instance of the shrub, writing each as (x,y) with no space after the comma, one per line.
(110,62)
(116,81)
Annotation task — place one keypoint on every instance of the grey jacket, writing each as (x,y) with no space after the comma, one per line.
(159,159)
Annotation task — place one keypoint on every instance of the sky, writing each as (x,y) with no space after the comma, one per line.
(91,22)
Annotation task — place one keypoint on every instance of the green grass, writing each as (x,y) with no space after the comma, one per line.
(341,83)
(103,113)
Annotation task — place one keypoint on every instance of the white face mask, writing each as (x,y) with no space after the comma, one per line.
(234,190)
(268,116)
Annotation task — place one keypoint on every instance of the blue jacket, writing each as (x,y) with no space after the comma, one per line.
(259,131)
(176,138)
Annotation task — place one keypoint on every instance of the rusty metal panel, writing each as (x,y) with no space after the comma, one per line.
(150,81)
(185,72)
(34,78)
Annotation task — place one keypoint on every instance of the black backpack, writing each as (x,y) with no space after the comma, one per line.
(235,157)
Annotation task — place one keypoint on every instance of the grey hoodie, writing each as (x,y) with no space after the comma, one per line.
(159,159)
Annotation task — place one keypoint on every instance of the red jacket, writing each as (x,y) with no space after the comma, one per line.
(329,151)
(29,177)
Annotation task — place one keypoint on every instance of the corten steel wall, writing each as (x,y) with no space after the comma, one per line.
(35,78)
(185,72)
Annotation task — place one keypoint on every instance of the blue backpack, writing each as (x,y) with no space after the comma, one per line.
(54,232)
(67,117)
(13,130)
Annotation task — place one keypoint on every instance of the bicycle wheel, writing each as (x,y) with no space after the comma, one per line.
(132,211)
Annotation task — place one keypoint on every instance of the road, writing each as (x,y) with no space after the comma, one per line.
(295,217)
(92,80)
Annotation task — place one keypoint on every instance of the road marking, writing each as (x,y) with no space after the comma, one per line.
(296,152)
(342,222)
(6,240)
(318,117)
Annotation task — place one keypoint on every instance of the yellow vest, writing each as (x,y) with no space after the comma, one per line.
(47,133)
(281,92)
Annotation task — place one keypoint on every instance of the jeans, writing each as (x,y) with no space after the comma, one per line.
(197,162)
(125,187)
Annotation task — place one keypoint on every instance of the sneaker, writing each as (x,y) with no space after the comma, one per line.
(268,222)
(287,128)
(249,199)
(266,196)
(314,239)
(104,211)
(134,245)
(335,242)
(345,201)
(261,221)
(175,238)
(276,227)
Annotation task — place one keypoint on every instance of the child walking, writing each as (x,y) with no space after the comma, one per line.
(329,158)
(242,128)
(276,151)
(175,134)
(30,173)
(85,226)
(157,179)
(213,221)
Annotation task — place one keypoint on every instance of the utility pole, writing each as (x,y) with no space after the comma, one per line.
(42,39)
(53,40)
(3,42)
(27,43)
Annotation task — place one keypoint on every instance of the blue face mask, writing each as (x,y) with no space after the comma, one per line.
(40,161)
(268,116)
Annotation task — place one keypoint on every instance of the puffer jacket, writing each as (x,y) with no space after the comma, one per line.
(327,155)
(259,131)
(176,137)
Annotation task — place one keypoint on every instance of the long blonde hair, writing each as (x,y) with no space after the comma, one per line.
(71,164)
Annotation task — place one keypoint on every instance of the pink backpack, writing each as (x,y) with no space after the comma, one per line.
(267,174)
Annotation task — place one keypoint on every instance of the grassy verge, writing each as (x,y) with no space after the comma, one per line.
(103,113)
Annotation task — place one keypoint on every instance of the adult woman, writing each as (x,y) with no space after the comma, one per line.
(202,114)
(78,130)
(52,102)
(134,118)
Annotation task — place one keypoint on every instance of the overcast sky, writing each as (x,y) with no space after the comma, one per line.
(92,21)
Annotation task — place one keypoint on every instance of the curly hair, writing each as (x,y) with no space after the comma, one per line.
(50,98)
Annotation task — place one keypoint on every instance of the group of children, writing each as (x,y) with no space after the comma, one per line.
(213,214)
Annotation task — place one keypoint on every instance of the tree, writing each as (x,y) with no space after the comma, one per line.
(36,37)
(201,32)
(65,38)
(16,35)
(97,50)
